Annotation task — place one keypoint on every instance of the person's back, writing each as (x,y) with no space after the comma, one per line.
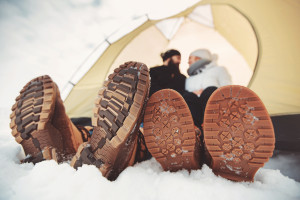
(168,75)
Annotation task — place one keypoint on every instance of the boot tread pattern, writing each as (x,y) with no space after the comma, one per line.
(116,118)
(124,92)
(30,114)
(169,131)
(238,133)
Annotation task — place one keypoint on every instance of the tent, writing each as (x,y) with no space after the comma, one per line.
(257,40)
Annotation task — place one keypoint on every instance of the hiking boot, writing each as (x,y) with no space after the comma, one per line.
(48,153)
(238,133)
(117,116)
(169,132)
(39,122)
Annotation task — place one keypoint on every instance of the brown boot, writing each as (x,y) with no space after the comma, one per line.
(39,122)
(238,133)
(116,120)
(169,132)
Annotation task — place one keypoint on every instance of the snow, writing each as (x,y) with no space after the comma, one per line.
(54,37)
(278,179)
(146,180)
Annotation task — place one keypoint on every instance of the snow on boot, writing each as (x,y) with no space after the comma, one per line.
(117,116)
(238,133)
(169,132)
(39,122)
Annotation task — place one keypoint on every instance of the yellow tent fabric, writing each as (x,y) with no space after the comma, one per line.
(264,32)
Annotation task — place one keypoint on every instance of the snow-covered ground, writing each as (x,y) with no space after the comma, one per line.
(54,37)
(278,179)
(147,180)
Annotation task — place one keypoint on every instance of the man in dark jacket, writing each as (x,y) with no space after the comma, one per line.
(168,75)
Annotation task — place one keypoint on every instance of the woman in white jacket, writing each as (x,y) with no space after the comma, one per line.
(204,72)
(205,76)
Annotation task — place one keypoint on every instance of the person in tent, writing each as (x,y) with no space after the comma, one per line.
(168,75)
(205,76)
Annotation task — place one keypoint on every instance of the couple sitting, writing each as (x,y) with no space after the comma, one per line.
(233,132)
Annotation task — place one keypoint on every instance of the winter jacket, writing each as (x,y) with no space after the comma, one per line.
(163,77)
(210,75)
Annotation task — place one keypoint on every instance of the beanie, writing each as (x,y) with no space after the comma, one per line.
(169,54)
(202,53)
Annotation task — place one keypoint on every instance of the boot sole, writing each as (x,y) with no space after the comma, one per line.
(169,131)
(48,153)
(117,117)
(31,119)
(238,133)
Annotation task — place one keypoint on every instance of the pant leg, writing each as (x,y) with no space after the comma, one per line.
(203,101)
(197,104)
(193,102)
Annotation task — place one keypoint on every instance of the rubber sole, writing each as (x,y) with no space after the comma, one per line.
(31,119)
(238,133)
(169,132)
(117,116)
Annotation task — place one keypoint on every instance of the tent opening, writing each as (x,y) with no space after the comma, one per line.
(220,28)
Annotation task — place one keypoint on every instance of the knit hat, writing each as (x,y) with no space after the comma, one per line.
(169,54)
(204,54)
